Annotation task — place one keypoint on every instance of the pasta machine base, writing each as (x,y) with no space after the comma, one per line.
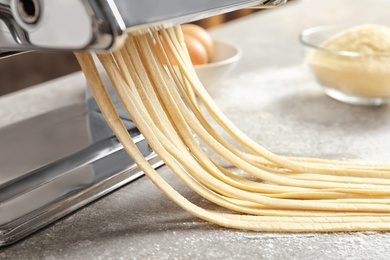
(53,164)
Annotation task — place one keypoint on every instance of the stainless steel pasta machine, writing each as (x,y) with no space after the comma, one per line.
(57,162)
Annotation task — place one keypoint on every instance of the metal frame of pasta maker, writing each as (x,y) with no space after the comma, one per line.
(55,163)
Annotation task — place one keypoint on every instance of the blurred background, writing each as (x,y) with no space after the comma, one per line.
(28,69)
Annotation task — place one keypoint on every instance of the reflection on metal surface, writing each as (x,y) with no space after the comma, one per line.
(6,54)
(58,25)
(54,164)
(99,24)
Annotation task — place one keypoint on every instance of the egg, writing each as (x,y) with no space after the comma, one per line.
(199,44)
(201,35)
(197,51)
(169,54)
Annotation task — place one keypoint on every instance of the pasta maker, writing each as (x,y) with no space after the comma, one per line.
(57,162)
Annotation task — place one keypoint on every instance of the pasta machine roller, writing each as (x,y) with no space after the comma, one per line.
(56,162)
(98,24)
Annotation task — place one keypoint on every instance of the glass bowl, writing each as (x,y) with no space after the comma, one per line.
(350,77)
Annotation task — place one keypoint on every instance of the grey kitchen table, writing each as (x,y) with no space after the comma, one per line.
(272,98)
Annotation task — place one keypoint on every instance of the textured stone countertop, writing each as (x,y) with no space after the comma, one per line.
(270,97)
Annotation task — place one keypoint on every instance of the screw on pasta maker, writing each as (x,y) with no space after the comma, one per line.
(28,10)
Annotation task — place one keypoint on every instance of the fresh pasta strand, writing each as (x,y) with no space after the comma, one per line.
(170,36)
(288,194)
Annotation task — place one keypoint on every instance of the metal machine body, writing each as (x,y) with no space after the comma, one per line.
(99,24)
(55,163)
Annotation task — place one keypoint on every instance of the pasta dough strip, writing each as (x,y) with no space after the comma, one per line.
(170,101)
(170,37)
(172,143)
(132,47)
(274,178)
(227,220)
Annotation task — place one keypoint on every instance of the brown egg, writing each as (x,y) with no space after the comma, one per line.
(200,34)
(196,49)
(170,57)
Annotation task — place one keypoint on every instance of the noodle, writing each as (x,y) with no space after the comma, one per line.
(290,194)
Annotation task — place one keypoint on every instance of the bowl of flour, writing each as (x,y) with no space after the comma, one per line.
(351,63)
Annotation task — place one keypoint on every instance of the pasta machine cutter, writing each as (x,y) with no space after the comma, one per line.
(57,162)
